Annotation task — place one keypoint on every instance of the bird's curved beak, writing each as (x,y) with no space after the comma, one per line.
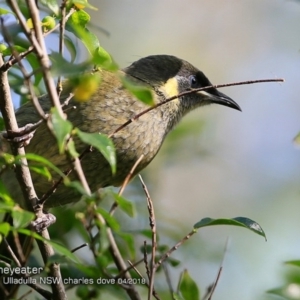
(217,97)
(222,99)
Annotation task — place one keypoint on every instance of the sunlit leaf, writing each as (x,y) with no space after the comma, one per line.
(4,228)
(4,11)
(41,170)
(103,59)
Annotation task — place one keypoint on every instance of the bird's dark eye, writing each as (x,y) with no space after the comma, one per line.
(193,81)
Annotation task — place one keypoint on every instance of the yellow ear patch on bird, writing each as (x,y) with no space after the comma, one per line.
(170,88)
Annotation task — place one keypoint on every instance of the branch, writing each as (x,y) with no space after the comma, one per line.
(154,243)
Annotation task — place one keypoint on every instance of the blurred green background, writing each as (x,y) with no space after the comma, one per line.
(220,162)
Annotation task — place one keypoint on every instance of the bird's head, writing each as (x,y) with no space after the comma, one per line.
(170,76)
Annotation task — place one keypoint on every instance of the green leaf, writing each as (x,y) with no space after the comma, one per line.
(176,296)
(102,143)
(5,12)
(31,58)
(103,59)
(81,4)
(41,170)
(286,292)
(145,232)
(110,220)
(70,45)
(102,236)
(21,217)
(61,66)
(52,5)
(4,195)
(142,93)
(6,207)
(57,247)
(130,242)
(1,124)
(42,160)
(61,129)
(76,185)
(126,205)
(77,25)
(173,262)
(295,263)
(72,149)
(188,287)
(4,228)
(238,221)
(297,139)
(35,64)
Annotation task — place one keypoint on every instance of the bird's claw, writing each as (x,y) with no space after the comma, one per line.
(22,136)
(43,222)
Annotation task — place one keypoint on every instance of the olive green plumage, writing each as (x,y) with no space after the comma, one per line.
(110,107)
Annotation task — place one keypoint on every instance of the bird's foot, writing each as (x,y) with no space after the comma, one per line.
(22,136)
(43,222)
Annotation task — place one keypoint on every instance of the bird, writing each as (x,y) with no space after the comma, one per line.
(108,108)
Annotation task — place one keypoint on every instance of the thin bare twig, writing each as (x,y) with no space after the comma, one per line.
(175,247)
(36,287)
(141,276)
(7,65)
(166,271)
(117,257)
(121,274)
(219,271)
(61,41)
(153,231)
(79,247)
(146,261)
(25,295)
(12,254)
(125,182)
(137,116)
(37,41)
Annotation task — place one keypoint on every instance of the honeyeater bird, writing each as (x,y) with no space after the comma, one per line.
(111,106)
